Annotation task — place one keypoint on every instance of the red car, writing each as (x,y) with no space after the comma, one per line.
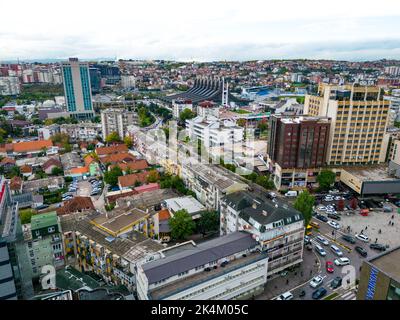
(329,266)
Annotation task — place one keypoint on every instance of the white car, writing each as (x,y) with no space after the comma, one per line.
(321,208)
(362,237)
(342,261)
(285,296)
(330,210)
(328,198)
(316,281)
(338,198)
(337,251)
(322,240)
(334,224)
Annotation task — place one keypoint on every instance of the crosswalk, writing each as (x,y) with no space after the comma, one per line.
(350,295)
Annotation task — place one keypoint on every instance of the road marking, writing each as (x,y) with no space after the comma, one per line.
(349,296)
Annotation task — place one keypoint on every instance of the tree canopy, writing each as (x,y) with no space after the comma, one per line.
(113,137)
(186,115)
(111,177)
(325,179)
(128,141)
(208,222)
(304,203)
(181,224)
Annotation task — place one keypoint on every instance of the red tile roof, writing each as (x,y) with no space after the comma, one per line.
(163,215)
(32,145)
(118,157)
(147,188)
(103,151)
(51,162)
(76,204)
(133,165)
(7,160)
(15,183)
(130,179)
(26,169)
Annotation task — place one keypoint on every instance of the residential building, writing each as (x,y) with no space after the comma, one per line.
(77,89)
(77,204)
(226,268)
(297,148)
(278,227)
(30,148)
(45,133)
(188,203)
(213,132)
(393,70)
(359,117)
(208,108)
(380,277)
(128,81)
(179,105)
(15,275)
(210,183)
(106,151)
(117,120)
(9,86)
(130,181)
(83,131)
(43,242)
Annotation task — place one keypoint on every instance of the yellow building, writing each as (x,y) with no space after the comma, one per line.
(359,118)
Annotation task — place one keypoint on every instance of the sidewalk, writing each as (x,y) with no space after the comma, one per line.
(277,285)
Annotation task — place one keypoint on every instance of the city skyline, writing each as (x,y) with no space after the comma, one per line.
(214,31)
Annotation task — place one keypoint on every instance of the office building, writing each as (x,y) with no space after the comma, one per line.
(380,277)
(226,268)
(297,149)
(77,89)
(43,242)
(15,276)
(278,227)
(117,120)
(95,80)
(359,117)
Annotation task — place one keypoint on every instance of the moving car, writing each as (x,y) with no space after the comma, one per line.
(337,251)
(342,261)
(362,237)
(316,281)
(320,250)
(319,293)
(322,240)
(349,239)
(285,296)
(291,194)
(376,246)
(361,251)
(329,267)
(314,224)
(334,224)
(336,283)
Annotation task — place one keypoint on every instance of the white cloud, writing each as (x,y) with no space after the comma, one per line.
(206,29)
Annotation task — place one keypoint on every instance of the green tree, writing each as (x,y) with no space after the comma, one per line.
(182,224)
(153,176)
(263,126)
(56,171)
(265,182)
(209,221)
(113,137)
(111,176)
(241,122)
(128,141)
(186,115)
(325,179)
(304,203)
(15,172)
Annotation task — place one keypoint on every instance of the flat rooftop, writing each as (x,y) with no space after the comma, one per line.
(371,173)
(200,277)
(189,203)
(388,263)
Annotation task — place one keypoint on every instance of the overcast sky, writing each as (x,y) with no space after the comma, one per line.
(200,29)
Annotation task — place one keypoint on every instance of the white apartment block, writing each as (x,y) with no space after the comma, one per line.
(278,227)
(210,183)
(83,131)
(128,81)
(45,133)
(393,70)
(226,268)
(213,132)
(9,86)
(179,105)
(117,120)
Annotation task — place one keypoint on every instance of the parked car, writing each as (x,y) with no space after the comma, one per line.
(361,251)
(334,224)
(329,267)
(342,261)
(321,218)
(319,293)
(362,237)
(337,251)
(291,194)
(321,208)
(349,239)
(376,246)
(334,216)
(322,240)
(285,296)
(316,281)
(336,283)
(307,239)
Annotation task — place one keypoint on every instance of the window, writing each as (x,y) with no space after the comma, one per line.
(51,229)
